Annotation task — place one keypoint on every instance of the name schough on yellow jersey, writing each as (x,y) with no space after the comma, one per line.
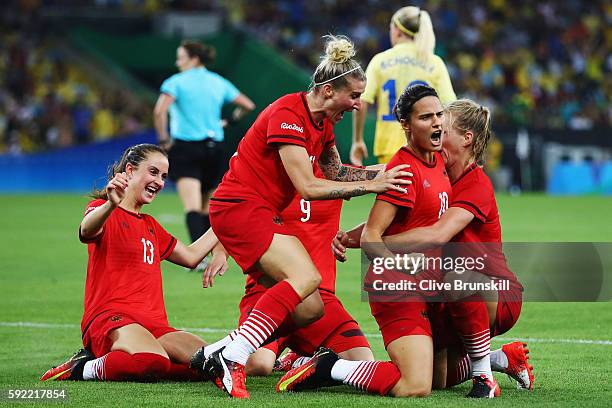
(389,73)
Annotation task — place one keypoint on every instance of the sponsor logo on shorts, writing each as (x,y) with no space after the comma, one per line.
(292,126)
(277,220)
(116,318)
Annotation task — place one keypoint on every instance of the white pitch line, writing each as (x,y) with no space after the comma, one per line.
(36,325)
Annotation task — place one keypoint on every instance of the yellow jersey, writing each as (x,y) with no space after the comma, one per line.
(388,74)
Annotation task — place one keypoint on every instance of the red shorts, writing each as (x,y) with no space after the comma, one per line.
(399,319)
(96,337)
(336,330)
(509,305)
(245,227)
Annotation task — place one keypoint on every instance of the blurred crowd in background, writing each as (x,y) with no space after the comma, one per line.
(48,101)
(542,64)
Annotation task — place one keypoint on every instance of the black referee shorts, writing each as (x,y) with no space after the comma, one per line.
(203,160)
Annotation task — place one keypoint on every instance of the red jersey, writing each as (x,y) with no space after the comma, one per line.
(123,270)
(423,203)
(425,200)
(256,167)
(474,192)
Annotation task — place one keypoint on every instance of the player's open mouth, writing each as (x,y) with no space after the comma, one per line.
(152,190)
(436,138)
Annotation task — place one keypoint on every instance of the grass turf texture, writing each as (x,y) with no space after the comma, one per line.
(42,276)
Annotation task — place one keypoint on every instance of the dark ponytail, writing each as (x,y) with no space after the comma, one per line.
(133,155)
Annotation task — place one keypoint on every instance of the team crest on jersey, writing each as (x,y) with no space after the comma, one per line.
(151,231)
(426,184)
(125,225)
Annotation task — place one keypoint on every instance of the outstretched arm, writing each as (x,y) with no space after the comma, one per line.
(332,167)
(297,164)
(450,224)
(190,256)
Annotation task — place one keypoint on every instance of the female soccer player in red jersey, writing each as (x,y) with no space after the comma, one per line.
(472,219)
(315,224)
(125,327)
(462,329)
(403,322)
(273,161)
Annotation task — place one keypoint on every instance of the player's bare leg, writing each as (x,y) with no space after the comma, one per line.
(135,355)
(260,363)
(288,263)
(181,346)
(413,356)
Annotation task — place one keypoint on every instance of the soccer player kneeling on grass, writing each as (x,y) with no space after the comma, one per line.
(315,224)
(473,218)
(274,160)
(126,335)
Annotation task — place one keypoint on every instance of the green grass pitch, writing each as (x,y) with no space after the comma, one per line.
(42,271)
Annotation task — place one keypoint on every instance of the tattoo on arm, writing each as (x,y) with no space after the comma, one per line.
(333,168)
(330,163)
(345,193)
(348,173)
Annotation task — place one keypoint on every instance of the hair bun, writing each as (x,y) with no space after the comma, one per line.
(339,49)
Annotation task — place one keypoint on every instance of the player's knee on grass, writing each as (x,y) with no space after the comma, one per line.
(260,363)
(410,388)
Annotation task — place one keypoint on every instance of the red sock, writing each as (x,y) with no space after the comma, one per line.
(458,371)
(122,366)
(286,328)
(268,314)
(375,377)
(471,320)
(182,372)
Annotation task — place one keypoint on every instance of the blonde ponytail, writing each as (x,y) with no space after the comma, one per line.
(416,24)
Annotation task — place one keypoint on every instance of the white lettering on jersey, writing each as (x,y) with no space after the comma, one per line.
(292,126)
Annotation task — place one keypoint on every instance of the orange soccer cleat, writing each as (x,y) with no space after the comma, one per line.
(518,364)
(71,369)
(227,375)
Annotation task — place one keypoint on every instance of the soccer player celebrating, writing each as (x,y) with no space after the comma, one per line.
(273,161)
(125,328)
(403,322)
(315,224)
(410,61)
(473,218)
